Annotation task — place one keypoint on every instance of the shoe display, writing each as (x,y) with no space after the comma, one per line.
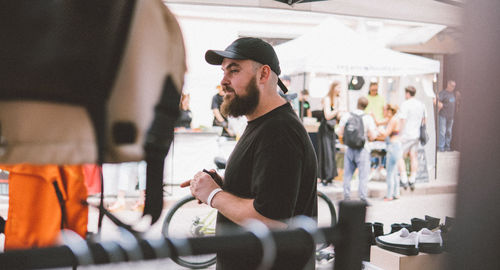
(369,240)
(418,224)
(402,242)
(432,222)
(409,239)
(447,233)
(448,223)
(378,230)
(395,227)
(398,226)
(429,241)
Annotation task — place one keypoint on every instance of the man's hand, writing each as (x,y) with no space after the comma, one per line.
(201,185)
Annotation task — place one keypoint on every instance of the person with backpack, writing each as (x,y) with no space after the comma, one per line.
(355,130)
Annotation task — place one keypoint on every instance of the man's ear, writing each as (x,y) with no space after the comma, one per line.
(265,74)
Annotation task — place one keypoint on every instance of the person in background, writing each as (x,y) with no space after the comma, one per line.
(304,106)
(185,116)
(412,115)
(394,152)
(327,167)
(376,103)
(219,119)
(358,158)
(271,173)
(447,102)
(375,108)
(127,172)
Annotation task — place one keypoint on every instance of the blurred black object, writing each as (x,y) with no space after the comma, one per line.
(356,83)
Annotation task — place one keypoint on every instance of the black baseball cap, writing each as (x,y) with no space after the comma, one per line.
(248,48)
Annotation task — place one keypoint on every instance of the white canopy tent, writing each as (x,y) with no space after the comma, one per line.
(333,48)
(332,51)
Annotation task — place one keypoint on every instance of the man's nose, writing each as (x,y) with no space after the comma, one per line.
(224,81)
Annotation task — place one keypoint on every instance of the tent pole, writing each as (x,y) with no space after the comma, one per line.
(304,81)
(436,129)
(303,87)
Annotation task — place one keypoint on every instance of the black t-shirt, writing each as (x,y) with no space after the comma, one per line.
(304,108)
(184,119)
(275,164)
(449,102)
(216,102)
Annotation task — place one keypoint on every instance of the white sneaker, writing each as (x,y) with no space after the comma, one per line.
(429,241)
(383,172)
(402,242)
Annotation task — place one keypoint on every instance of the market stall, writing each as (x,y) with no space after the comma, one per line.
(333,51)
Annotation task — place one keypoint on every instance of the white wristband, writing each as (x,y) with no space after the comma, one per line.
(211,196)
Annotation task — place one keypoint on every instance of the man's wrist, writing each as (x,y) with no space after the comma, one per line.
(212,195)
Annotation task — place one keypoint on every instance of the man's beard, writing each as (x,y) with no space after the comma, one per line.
(244,104)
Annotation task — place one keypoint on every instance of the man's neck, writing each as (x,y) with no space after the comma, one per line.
(267,103)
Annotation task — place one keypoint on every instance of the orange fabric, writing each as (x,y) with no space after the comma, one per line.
(34,216)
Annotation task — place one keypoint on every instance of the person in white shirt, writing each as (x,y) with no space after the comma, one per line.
(412,115)
(358,158)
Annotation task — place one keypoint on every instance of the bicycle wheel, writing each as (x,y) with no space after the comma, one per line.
(327,216)
(186,219)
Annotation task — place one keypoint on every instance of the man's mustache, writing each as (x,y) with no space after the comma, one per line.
(227,89)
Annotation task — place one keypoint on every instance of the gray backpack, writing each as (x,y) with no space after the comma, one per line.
(354,132)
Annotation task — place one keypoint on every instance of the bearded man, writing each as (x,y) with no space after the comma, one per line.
(271,173)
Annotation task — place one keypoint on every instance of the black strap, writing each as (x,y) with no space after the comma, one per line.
(62,204)
(158,140)
(2,225)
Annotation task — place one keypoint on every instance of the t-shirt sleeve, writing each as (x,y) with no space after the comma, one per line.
(277,168)
(441,95)
(215,104)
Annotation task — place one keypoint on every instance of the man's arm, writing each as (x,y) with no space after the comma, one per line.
(327,111)
(218,115)
(233,207)
(372,130)
(239,210)
(439,100)
(225,124)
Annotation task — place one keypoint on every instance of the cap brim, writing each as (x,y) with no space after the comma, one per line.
(215,57)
